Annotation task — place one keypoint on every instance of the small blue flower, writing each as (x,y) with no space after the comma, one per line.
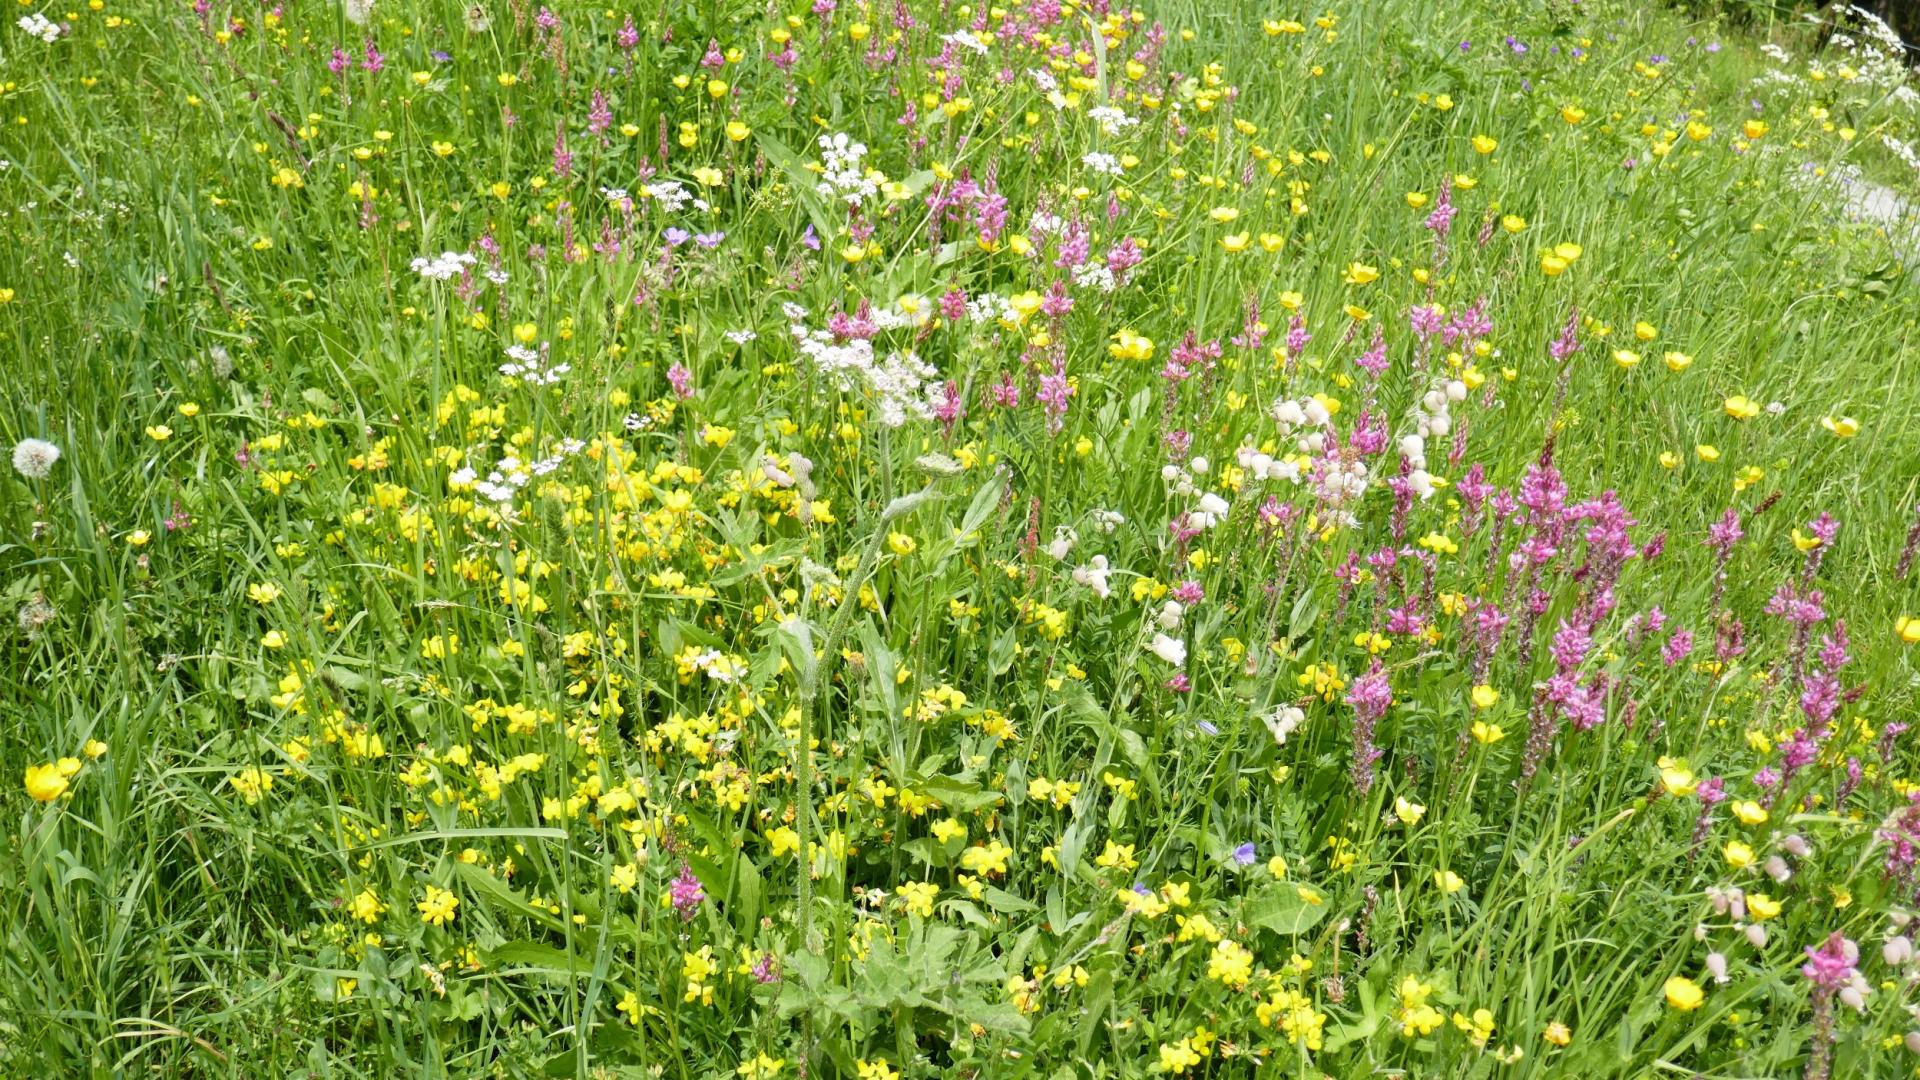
(1244,854)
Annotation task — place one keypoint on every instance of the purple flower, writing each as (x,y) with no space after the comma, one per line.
(682,380)
(675,236)
(709,239)
(1244,854)
(686,892)
(810,239)
(1831,965)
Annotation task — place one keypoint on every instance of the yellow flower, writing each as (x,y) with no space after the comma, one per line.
(1484,144)
(139,537)
(1513,223)
(1677,361)
(1706,452)
(1557,1033)
(1359,273)
(1407,811)
(1762,907)
(1738,855)
(918,896)
(1626,359)
(1223,214)
(439,908)
(1749,812)
(1572,114)
(367,906)
(1753,129)
(1907,629)
(1645,331)
(1845,427)
(263,592)
(1487,734)
(45,782)
(1684,994)
(1128,345)
(737,131)
(1447,882)
(1676,778)
(1741,407)
(159,432)
(1236,242)
(624,877)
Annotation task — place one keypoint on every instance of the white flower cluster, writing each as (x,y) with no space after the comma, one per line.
(843,177)
(966,39)
(1093,275)
(1180,478)
(1094,576)
(1211,509)
(673,196)
(1264,466)
(901,386)
(529,366)
(1305,412)
(1112,121)
(444,266)
(510,474)
(1051,224)
(1282,721)
(1430,420)
(38,25)
(988,307)
(1103,163)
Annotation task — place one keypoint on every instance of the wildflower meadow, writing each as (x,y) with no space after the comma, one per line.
(896,539)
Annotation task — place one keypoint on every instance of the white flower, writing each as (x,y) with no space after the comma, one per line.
(1104,164)
(38,25)
(1062,545)
(34,458)
(1170,615)
(1717,967)
(444,266)
(357,11)
(1094,576)
(1172,650)
(1281,722)
(477,19)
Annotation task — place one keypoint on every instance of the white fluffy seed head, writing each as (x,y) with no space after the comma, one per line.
(34,458)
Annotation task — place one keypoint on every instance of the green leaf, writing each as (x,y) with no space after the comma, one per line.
(1284,912)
